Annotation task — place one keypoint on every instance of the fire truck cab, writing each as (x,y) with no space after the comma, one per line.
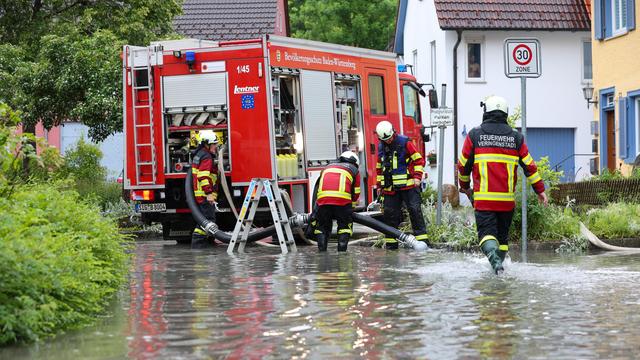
(283,107)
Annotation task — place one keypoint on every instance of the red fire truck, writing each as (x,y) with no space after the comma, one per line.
(284,108)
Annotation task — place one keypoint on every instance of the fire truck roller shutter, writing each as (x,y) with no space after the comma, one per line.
(195,90)
(317,115)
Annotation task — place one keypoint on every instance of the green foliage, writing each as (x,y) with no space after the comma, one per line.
(616,220)
(60,262)
(361,23)
(430,194)
(61,58)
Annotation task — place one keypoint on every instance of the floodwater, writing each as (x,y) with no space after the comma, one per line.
(367,303)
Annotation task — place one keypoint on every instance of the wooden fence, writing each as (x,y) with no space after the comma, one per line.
(598,192)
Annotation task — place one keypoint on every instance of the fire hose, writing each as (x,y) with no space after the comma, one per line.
(296,220)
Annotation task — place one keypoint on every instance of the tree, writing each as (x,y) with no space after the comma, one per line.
(363,23)
(61,58)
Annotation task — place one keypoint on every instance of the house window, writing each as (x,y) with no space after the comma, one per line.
(376,95)
(587,67)
(433,63)
(415,63)
(474,61)
(619,12)
(637,121)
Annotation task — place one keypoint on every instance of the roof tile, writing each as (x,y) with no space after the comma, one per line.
(226,19)
(568,15)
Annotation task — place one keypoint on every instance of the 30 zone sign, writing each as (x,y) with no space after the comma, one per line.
(522,58)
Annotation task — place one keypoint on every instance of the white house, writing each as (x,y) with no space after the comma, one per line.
(439,36)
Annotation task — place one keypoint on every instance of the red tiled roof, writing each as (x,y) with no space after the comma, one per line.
(567,15)
(226,19)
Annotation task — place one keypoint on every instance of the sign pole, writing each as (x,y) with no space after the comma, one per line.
(523,102)
(522,59)
(440,168)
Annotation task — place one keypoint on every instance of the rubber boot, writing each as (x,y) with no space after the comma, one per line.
(322,242)
(502,254)
(343,240)
(490,250)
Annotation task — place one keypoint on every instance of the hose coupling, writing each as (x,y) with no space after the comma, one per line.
(298,220)
(410,240)
(211,227)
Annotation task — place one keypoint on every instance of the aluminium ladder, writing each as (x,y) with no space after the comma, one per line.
(143,123)
(248,211)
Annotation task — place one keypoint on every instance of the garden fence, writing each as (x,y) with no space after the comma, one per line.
(598,192)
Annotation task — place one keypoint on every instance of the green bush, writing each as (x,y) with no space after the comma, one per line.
(60,262)
(616,220)
(457,230)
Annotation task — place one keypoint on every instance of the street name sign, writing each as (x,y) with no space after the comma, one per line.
(442,117)
(522,58)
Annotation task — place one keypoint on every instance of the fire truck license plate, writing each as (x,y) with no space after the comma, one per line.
(157,207)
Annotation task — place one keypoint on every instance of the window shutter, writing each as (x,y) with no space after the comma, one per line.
(631,14)
(622,118)
(597,20)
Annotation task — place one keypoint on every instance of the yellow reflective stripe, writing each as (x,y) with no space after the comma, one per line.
(418,168)
(345,231)
(462,160)
(527,160)
(379,165)
(354,203)
(503,247)
(390,240)
(338,194)
(339,171)
(380,178)
(487,238)
(484,177)
(510,169)
(194,170)
(204,173)
(395,162)
(357,190)
(204,182)
(199,231)
(464,177)
(409,182)
(199,193)
(496,158)
(343,183)
(534,178)
(422,237)
(416,156)
(317,232)
(493,196)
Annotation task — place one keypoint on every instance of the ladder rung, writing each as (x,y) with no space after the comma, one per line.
(140,106)
(143,125)
(144,163)
(141,87)
(144,144)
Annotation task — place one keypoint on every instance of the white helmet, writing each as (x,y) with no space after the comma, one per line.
(350,157)
(208,137)
(384,129)
(495,103)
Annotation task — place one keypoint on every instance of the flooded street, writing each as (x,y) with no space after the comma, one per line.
(367,303)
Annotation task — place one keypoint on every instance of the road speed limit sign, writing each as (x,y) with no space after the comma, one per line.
(522,58)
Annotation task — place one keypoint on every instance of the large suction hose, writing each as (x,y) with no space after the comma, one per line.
(296,220)
(210,226)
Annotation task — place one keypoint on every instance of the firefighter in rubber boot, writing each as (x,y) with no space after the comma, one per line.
(399,170)
(338,193)
(205,184)
(491,154)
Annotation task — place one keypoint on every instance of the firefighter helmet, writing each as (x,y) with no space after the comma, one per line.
(208,137)
(350,157)
(384,129)
(495,103)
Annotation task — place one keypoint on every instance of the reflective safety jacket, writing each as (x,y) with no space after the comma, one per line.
(399,163)
(339,184)
(205,175)
(493,152)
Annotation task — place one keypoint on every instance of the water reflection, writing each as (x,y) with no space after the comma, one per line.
(366,303)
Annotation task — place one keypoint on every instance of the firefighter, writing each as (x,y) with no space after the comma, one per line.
(205,184)
(492,152)
(338,193)
(399,170)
